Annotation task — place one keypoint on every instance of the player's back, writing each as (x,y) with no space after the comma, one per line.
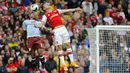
(32,31)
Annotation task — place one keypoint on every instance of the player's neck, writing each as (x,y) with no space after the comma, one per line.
(33,19)
(49,10)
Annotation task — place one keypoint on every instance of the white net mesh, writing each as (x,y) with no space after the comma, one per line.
(93,50)
(112,53)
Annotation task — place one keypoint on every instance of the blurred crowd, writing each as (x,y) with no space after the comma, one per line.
(114,51)
(14,57)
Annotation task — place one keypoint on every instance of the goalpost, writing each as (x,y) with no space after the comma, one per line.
(109,49)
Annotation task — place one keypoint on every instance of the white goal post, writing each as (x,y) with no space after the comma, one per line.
(109,49)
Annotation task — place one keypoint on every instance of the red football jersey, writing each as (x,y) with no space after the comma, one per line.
(53,18)
(11,66)
(18,63)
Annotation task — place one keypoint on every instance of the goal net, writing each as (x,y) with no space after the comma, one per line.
(109,49)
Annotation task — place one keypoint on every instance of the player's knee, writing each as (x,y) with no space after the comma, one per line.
(67,45)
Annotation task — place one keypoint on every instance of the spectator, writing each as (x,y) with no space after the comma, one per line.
(11,68)
(3,57)
(120,17)
(13,43)
(87,9)
(108,20)
(102,7)
(95,5)
(2,67)
(86,41)
(74,45)
(67,60)
(128,66)
(22,68)
(86,64)
(50,64)
(94,18)
(83,46)
(7,51)
(71,70)
(18,62)
(72,4)
(28,63)
(107,70)
(103,63)
(56,58)
(54,71)
(80,61)
(127,13)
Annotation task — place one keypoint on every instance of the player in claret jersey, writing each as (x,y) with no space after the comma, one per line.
(34,39)
(61,34)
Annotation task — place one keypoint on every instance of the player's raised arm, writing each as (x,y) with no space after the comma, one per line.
(70,10)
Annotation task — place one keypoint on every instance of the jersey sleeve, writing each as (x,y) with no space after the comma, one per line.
(24,25)
(44,19)
(60,11)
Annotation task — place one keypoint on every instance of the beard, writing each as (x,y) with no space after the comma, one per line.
(11,62)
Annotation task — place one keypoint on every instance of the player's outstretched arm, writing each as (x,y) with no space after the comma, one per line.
(71,10)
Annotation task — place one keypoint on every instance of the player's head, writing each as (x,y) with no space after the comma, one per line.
(46,6)
(34,15)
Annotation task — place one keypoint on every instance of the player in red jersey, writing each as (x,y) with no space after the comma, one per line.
(61,34)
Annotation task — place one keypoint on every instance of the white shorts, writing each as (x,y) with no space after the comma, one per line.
(61,36)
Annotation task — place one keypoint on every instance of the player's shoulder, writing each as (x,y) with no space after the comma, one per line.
(38,22)
(28,22)
(25,21)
